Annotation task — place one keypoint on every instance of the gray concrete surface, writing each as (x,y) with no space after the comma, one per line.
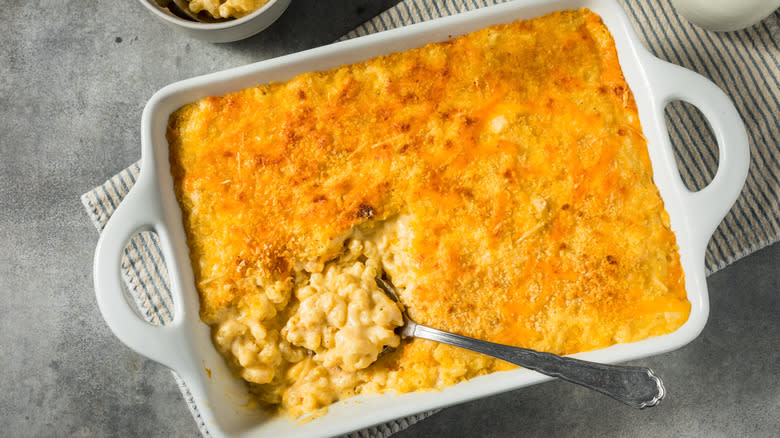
(74,77)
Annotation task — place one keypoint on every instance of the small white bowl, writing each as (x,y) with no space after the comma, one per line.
(226,31)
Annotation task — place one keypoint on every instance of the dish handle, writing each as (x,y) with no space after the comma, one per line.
(136,213)
(707,207)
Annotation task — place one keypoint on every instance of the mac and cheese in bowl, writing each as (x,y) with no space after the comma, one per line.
(226,8)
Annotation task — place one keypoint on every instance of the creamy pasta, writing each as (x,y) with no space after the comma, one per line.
(226,8)
(338,323)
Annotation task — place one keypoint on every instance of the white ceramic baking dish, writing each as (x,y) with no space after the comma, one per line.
(185,345)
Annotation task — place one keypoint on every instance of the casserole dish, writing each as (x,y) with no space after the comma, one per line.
(185,344)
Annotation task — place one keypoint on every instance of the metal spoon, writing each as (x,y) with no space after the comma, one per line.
(637,387)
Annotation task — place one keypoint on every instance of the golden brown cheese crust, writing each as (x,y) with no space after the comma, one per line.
(518,152)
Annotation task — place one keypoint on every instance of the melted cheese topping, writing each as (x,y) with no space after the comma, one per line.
(500,180)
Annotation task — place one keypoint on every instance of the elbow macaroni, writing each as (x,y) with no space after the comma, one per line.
(341,323)
(343,316)
(226,8)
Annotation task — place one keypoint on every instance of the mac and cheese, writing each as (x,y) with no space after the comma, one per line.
(500,180)
(226,8)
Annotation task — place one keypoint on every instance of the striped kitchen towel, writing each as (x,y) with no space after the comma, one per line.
(745,64)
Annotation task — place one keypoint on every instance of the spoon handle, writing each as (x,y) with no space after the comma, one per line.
(637,387)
